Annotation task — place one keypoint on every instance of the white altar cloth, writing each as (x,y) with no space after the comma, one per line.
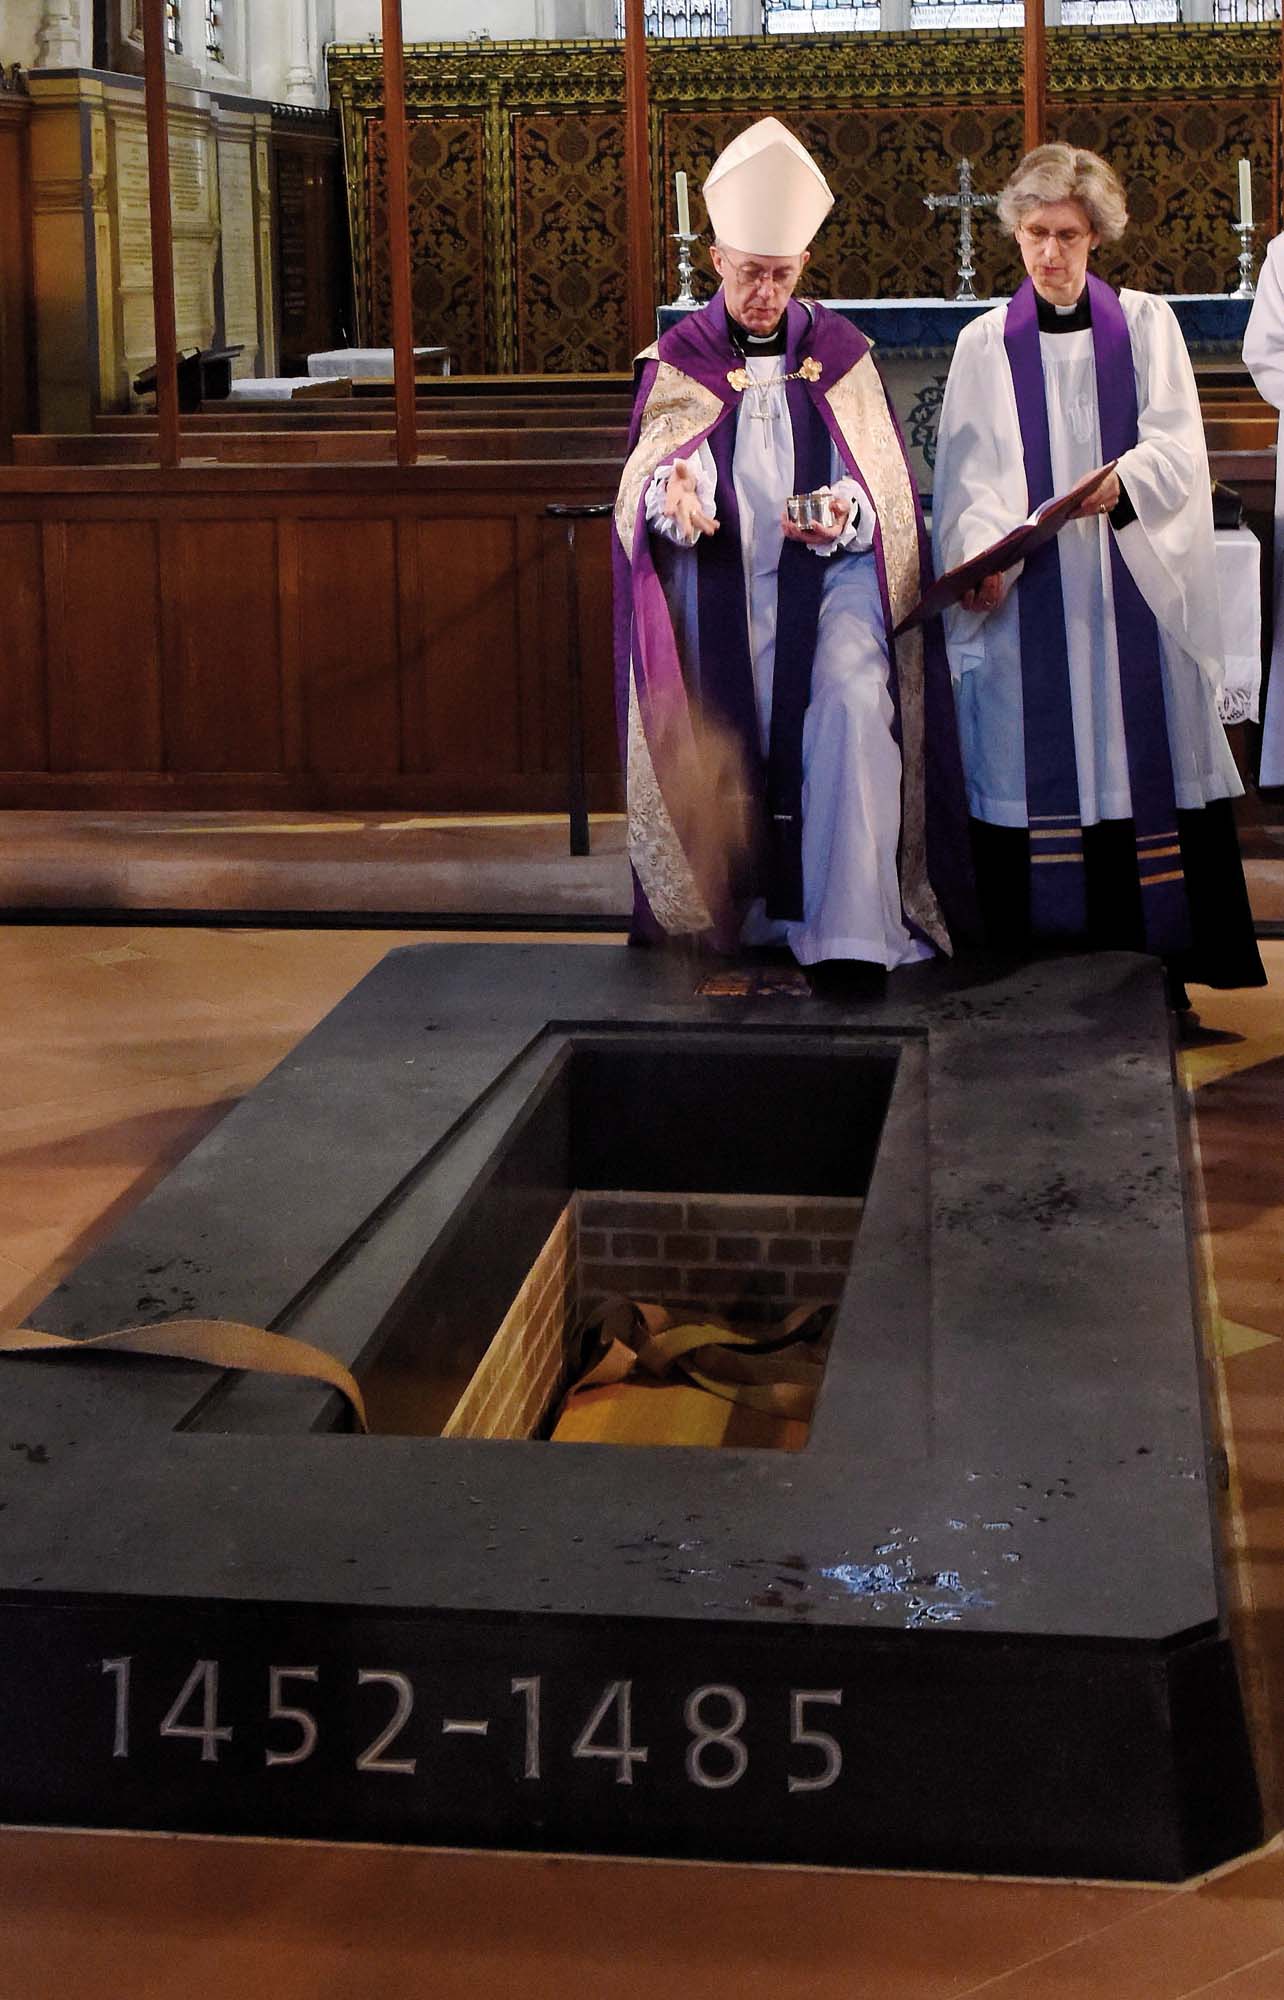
(264,388)
(1239,585)
(370,361)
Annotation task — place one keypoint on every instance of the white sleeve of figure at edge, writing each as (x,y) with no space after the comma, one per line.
(1264,338)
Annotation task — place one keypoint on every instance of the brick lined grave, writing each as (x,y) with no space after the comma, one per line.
(974,1623)
(750,1261)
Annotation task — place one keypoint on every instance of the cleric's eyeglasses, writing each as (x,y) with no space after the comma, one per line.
(761,274)
(1065,239)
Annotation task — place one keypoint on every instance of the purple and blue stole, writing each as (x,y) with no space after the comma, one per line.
(1058,895)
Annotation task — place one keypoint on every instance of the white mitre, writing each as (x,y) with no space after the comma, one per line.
(765,194)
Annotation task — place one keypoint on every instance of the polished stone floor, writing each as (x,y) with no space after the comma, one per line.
(121,1047)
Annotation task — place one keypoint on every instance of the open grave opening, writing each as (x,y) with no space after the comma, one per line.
(721,1176)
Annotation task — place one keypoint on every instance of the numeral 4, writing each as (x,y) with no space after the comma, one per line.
(619,1695)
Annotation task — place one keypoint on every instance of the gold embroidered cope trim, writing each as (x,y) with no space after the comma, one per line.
(654,847)
(677,410)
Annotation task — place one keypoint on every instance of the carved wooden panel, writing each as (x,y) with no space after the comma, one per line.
(473,636)
(24,733)
(105,666)
(349,644)
(234,635)
(222,674)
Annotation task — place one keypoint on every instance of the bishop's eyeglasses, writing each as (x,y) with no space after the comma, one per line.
(758,274)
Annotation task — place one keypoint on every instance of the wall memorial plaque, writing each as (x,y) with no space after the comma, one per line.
(240,283)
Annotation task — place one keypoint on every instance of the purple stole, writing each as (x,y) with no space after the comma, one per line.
(1058,903)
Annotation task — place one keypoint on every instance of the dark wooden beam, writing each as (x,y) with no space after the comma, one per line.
(637,178)
(1035,78)
(394,125)
(165,316)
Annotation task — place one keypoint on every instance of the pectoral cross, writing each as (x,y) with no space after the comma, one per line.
(763,405)
(965,201)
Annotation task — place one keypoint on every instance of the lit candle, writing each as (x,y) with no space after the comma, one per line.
(684,207)
(1245,194)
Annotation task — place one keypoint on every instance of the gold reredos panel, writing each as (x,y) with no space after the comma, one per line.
(517,191)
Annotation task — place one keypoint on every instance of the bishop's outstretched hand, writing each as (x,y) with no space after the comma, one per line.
(682,502)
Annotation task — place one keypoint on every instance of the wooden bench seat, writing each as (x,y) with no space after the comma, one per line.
(289,417)
(275,447)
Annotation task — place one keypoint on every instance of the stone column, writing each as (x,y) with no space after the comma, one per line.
(300,75)
(58,39)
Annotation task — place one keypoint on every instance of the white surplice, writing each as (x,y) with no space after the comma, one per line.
(1264,359)
(980,494)
(851,762)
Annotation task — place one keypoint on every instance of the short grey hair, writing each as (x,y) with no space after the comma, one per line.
(1066,173)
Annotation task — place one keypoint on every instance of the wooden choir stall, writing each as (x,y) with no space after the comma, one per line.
(359,598)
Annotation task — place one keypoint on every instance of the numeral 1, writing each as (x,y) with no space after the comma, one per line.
(530,1688)
(120,1738)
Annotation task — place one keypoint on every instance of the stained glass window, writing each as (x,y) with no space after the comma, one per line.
(174,27)
(967,14)
(801,17)
(818,17)
(673,18)
(214,30)
(1117,13)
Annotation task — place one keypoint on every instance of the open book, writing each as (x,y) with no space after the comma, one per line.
(1045,522)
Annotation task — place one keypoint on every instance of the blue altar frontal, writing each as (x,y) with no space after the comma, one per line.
(914,339)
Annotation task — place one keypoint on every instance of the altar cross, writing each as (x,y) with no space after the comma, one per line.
(965,201)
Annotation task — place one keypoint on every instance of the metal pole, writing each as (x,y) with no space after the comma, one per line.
(637,178)
(576,784)
(1035,79)
(394,125)
(165,315)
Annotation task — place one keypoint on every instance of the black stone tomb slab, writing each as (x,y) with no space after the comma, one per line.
(975,1624)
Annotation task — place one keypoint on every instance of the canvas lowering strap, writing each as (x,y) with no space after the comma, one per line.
(777,1370)
(219,1343)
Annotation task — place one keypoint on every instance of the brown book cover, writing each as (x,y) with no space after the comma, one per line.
(1045,522)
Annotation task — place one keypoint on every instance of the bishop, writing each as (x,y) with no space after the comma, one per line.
(737,623)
